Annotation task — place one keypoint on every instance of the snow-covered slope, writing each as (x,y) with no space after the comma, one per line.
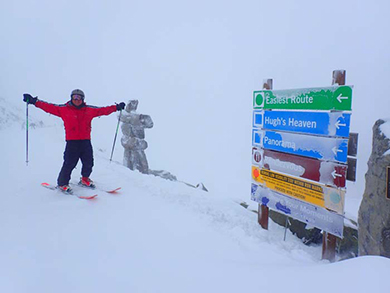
(10,115)
(155,236)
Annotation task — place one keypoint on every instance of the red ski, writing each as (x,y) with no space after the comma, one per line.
(52,187)
(115,190)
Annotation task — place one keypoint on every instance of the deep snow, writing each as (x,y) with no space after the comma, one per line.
(155,236)
(194,66)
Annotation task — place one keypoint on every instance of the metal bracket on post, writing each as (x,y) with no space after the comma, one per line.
(263,212)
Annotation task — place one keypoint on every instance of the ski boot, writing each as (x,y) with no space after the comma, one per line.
(86,182)
(65,189)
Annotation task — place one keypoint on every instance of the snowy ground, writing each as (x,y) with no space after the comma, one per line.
(155,236)
(193,65)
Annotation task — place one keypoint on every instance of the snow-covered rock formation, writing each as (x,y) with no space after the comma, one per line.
(374,212)
(133,140)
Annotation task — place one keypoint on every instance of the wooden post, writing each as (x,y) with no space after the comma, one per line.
(339,77)
(329,246)
(263,212)
(329,240)
(267,84)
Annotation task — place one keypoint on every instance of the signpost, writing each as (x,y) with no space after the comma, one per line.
(325,172)
(316,194)
(317,123)
(325,98)
(317,147)
(300,152)
(304,212)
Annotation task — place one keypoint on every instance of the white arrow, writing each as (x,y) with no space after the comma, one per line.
(336,150)
(340,98)
(334,174)
(338,124)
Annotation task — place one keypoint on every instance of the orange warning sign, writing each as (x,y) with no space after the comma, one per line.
(316,194)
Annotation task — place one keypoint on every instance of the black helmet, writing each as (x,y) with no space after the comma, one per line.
(77,92)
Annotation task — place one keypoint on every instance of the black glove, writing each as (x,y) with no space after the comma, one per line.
(120,106)
(29,99)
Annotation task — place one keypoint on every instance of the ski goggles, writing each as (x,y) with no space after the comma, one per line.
(77,97)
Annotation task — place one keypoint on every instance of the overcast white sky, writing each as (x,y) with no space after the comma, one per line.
(192,61)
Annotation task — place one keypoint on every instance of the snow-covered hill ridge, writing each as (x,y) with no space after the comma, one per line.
(13,114)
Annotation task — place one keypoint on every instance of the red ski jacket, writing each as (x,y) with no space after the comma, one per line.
(77,121)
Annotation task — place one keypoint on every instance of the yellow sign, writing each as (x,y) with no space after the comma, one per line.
(317,194)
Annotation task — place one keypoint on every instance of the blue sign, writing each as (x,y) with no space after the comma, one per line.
(317,123)
(258,118)
(321,218)
(317,147)
(257,136)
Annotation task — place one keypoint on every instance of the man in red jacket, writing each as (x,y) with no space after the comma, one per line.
(77,117)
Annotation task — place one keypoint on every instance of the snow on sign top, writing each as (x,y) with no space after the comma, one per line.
(324,98)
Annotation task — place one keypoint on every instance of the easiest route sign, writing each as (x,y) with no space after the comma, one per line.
(324,172)
(317,123)
(325,98)
(312,215)
(317,147)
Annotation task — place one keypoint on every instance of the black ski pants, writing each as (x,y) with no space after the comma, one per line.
(75,150)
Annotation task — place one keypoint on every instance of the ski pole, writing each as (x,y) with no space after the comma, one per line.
(116,133)
(27,132)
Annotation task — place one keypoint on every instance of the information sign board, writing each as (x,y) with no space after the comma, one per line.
(328,173)
(317,123)
(317,147)
(325,98)
(312,215)
(313,193)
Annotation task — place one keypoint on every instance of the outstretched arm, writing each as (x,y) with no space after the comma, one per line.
(100,111)
(45,106)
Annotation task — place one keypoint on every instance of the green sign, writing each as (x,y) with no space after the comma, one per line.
(324,98)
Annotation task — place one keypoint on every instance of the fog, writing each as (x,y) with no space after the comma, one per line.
(196,63)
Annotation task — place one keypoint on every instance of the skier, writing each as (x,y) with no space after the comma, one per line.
(77,117)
